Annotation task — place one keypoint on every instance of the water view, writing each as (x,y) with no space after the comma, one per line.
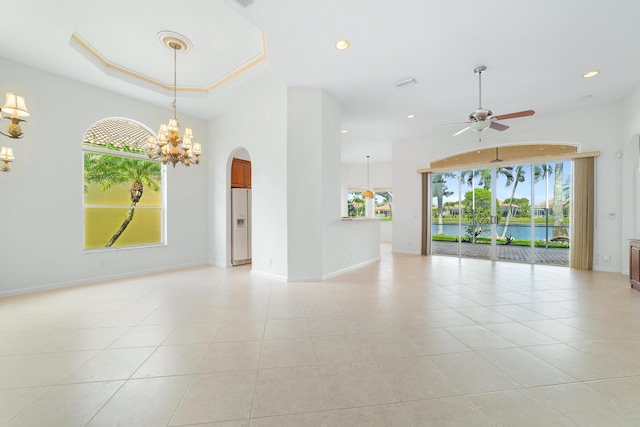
(517,231)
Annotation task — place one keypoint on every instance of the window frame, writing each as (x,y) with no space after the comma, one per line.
(377,190)
(89,148)
(359,191)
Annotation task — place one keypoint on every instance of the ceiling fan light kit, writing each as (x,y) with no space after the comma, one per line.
(482,118)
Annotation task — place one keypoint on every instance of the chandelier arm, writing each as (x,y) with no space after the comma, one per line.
(11,136)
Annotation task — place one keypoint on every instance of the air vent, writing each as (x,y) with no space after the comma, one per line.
(401,84)
(245,3)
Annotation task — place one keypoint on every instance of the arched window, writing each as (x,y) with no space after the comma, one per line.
(123,188)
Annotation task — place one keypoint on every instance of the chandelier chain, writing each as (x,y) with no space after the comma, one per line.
(175,80)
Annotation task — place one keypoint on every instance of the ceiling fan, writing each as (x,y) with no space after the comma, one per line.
(481,118)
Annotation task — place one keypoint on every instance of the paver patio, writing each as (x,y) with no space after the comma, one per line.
(550,256)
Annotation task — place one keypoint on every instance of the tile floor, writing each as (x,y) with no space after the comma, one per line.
(407,341)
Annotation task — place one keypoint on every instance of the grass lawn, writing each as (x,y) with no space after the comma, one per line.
(487,241)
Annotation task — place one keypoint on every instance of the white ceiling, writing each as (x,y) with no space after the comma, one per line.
(535,53)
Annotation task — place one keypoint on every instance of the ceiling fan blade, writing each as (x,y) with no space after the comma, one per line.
(514,115)
(498,126)
(460,131)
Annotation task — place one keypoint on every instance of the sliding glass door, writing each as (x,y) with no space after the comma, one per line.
(513,213)
(514,230)
(552,213)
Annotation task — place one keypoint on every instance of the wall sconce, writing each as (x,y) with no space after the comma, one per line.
(6,155)
(15,108)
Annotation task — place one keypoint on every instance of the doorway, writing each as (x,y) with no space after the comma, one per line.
(241,210)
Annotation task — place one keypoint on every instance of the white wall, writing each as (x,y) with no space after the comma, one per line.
(41,243)
(320,244)
(354,175)
(261,129)
(289,134)
(594,128)
(349,244)
(305,199)
(630,171)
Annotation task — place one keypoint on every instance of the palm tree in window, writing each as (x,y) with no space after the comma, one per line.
(559,227)
(518,176)
(108,171)
(439,190)
(484,182)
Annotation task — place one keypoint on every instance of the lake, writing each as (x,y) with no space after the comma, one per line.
(517,231)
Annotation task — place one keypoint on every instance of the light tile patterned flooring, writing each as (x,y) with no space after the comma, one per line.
(408,341)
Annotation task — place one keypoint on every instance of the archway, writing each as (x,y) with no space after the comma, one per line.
(239,212)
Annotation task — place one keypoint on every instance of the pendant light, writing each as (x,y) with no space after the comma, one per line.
(368,194)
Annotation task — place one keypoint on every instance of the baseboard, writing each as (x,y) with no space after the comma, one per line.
(315,278)
(97,279)
(350,268)
(397,251)
(607,270)
(305,279)
(269,275)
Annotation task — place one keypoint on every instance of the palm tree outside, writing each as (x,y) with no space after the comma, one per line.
(559,228)
(517,177)
(108,171)
(439,190)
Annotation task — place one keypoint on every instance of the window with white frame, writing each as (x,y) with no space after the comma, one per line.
(382,203)
(356,206)
(123,188)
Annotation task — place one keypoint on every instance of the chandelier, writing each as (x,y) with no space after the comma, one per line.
(168,146)
(368,194)
(15,108)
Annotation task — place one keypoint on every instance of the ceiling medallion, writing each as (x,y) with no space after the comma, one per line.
(172,40)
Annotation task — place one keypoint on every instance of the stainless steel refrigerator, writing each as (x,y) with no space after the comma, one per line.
(240,226)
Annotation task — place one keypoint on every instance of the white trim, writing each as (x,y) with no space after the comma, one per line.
(305,279)
(396,251)
(350,268)
(609,270)
(315,278)
(61,285)
(269,275)
(100,150)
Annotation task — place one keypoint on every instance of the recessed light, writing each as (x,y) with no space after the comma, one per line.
(342,44)
(410,116)
(591,73)
(345,131)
